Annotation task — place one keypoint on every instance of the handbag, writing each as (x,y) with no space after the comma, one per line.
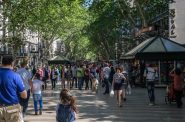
(129,90)
(112,93)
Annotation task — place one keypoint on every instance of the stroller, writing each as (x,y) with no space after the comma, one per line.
(170,95)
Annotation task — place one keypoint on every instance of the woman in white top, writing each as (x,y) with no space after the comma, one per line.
(37,94)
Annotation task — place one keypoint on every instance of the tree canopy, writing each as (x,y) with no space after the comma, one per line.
(90,29)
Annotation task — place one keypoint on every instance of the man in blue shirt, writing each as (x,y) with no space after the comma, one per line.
(11,87)
(26,77)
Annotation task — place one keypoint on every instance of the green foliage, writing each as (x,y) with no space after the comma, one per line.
(89,28)
(115,22)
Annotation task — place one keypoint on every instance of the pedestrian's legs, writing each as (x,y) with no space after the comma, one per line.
(24,103)
(86,83)
(119,97)
(45,84)
(80,83)
(152,93)
(41,104)
(106,86)
(35,100)
(52,83)
(76,82)
(178,95)
(149,91)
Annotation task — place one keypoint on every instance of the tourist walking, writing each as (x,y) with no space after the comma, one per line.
(150,74)
(27,79)
(117,85)
(106,74)
(80,75)
(74,69)
(178,85)
(53,78)
(37,94)
(12,87)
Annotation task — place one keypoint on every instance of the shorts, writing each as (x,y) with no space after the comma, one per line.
(118,86)
(11,114)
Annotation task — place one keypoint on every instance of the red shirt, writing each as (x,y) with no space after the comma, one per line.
(178,81)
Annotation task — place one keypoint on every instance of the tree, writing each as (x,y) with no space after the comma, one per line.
(51,19)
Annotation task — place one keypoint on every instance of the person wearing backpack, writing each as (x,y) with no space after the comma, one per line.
(66,109)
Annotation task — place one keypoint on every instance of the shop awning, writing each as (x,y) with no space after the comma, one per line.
(157,48)
(58,60)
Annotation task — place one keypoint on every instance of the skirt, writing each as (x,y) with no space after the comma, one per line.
(117,86)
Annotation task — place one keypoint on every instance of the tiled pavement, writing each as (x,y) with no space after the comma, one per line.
(102,108)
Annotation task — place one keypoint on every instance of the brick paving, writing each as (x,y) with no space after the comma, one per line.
(102,108)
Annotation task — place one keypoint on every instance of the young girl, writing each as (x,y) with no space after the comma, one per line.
(37,95)
(66,109)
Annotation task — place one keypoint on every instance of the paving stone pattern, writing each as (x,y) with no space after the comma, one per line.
(103,108)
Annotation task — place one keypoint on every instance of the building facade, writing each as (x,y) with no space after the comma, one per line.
(176,21)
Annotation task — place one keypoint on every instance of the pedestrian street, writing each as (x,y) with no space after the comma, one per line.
(102,108)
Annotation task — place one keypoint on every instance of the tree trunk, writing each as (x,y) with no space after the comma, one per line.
(141,12)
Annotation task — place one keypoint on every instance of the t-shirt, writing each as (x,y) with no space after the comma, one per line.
(118,77)
(150,74)
(26,76)
(37,86)
(79,72)
(11,84)
(106,72)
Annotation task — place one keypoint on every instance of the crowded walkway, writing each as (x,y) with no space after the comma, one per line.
(102,108)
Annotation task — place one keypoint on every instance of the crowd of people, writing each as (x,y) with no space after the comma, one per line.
(17,84)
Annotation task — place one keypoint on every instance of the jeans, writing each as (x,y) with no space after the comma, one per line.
(86,82)
(106,81)
(37,98)
(24,102)
(74,82)
(150,88)
(80,83)
(44,86)
(53,82)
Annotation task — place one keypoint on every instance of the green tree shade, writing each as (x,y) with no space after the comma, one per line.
(88,28)
(116,22)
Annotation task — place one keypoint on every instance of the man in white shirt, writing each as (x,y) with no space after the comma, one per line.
(150,75)
(106,74)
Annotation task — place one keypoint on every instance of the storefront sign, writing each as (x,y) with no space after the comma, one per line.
(176,21)
(172,23)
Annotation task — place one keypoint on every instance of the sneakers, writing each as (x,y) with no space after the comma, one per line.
(124,99)
(36,113)
(40,112)
(151,104)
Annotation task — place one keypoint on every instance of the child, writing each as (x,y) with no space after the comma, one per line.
(66,109)
(37,95)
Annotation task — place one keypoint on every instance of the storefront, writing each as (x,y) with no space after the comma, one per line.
(162,52)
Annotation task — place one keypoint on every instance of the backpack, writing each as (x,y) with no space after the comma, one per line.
(65,113)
